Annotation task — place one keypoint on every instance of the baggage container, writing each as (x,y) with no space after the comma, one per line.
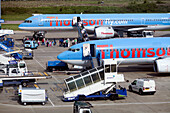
(33,95)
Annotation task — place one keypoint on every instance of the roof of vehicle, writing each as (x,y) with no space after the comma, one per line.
(144,79)
(82,104)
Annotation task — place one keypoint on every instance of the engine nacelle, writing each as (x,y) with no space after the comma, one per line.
(162,65)
(104,32)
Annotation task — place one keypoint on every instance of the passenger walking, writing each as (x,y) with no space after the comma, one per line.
(75,40)
(43,42)
(54,42)
(38,42)
(47,43)
(68,42)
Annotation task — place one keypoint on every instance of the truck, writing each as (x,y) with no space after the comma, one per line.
(97,83)
(6,67)
(16,73)
(56,66)
(82,107)
(32,95)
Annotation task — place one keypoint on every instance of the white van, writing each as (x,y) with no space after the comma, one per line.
(143,86)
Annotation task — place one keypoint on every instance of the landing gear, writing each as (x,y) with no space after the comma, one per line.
(39,35)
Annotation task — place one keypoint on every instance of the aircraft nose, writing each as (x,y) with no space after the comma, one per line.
(20,26)
(62,56)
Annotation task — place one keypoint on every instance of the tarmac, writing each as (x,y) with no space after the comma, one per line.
(133,103)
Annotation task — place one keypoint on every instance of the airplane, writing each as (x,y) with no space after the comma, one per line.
(154,51)
(102,25)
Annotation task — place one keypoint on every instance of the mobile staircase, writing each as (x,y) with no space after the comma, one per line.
(82,33)
(99,82)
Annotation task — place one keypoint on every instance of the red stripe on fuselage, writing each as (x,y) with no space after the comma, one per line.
(103,53)
(135,52)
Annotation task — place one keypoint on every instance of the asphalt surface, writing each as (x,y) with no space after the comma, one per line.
(134,103)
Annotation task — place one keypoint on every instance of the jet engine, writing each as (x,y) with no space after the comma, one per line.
(104,32)
(162,65)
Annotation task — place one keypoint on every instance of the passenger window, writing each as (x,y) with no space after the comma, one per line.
(72,86)
(102,75)
(87,80)
(95,77)
(80,83)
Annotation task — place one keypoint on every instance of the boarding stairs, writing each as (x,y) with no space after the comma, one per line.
(16,55)
(92,81)
(82,33)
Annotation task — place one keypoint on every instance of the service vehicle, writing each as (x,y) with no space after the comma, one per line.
(16,73)
(82,107)
(56,66)
(32,95)
(97,83)
(32,44)
(27,54)
(143,85)
(19,66)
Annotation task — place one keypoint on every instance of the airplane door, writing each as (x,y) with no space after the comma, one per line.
(86,50)
(143,21)
(89,50)
(92,50)
(41,23)
(75,20)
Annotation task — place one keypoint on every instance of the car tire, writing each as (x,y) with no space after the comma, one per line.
(152,93)
(140,92)
(25,103)
(130,88)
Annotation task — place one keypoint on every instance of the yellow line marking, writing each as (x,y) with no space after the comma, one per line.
(53,89)
(36,85)
(45,73)
(40,73)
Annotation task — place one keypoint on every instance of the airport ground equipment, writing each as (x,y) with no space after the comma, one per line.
(23,80)
(6,65)
(82,107)
(27,54)
(15,72)
(82,33)
(143,85)
(32,95)
(32,44)
(99,82)
(6,32)
(16,55)
(9,42)
(20,54)
(56,66)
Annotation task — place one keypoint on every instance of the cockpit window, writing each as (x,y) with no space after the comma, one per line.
(69,49)
(74,50)
(28,21)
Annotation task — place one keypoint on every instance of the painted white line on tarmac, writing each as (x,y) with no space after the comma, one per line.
(51,102)
(108,104)
(55,79)
(39,63)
